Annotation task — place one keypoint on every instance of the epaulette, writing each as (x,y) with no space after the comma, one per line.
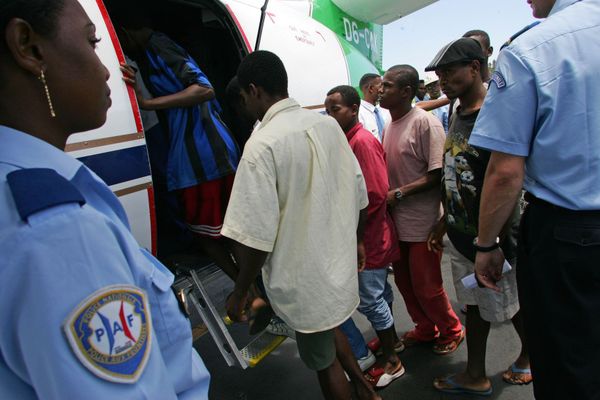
(37,189)
(516,35)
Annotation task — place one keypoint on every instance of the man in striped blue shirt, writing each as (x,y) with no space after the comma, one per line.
(202,154)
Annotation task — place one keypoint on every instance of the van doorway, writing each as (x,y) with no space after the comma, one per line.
(208,33)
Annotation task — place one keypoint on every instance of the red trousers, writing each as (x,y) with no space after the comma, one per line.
(418,276)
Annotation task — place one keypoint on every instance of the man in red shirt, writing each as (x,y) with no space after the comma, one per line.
(380,241)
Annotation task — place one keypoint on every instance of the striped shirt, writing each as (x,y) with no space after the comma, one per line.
(201,147)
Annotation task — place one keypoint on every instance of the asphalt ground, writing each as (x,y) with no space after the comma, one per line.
(283,376)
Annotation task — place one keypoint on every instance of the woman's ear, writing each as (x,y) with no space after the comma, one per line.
(25,46)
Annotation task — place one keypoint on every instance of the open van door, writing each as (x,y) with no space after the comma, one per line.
(117,151)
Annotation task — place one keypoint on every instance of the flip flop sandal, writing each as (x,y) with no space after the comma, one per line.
(517,376)
(408,340)
(443,349)
(380,379)
(455,388)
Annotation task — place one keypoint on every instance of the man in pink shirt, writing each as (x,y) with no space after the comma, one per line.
(380,240)
(414,144)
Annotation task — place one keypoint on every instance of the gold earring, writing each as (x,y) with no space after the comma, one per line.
(42,78)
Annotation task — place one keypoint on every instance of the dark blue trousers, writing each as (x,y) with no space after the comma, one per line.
(558,272)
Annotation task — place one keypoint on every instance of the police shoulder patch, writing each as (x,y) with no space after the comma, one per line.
(498,79)
(110,333)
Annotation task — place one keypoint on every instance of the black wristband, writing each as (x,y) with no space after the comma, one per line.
(486,249)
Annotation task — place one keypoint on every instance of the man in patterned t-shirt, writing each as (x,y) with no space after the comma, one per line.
(459,67)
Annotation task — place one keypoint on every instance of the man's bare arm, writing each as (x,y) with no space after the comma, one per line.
(360,233)
(188,97)
(249,262)
(426,182)
(501,190)
(429,105)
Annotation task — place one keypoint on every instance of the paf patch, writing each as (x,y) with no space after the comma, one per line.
(110,333)
(498,79)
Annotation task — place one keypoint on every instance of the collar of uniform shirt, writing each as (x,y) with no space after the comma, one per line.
(26,151)
(560,5)
(276,108)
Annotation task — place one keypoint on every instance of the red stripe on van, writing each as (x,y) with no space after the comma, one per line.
(152,207)
(239,26)
(121,57)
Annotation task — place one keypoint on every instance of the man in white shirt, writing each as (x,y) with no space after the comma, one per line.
(295,208)
(370,115)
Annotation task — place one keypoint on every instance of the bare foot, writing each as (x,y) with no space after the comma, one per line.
(462,380)
(522,363)
(390,365)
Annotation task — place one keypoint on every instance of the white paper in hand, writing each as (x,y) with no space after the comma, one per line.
(470,282)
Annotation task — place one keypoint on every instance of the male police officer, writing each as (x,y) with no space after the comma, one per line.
(542,113)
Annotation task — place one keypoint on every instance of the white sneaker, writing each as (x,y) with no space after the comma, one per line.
(367,361)
(278,327)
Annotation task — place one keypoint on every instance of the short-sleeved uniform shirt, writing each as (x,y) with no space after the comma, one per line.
(543,104)
(442,114)
(55,259)
(297,195)
(380,239)
(464,171)
(414,145)
(201,147)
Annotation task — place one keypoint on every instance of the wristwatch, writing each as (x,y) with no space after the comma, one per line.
(486,249)
(398,195)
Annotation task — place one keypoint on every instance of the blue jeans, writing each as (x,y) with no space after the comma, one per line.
(373,288)
(375,297)
(355,338)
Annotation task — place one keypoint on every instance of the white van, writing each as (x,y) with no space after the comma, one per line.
(323,44)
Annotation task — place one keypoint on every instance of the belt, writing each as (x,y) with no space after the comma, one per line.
(531,199)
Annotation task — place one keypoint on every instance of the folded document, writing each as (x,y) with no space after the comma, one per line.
(470,282)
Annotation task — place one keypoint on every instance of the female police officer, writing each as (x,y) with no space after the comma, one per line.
(85,311)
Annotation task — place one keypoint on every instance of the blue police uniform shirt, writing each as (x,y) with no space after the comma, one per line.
(543,104)
(51,261)
(442,114)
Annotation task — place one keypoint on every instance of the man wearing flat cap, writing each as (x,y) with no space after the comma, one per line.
(459,67)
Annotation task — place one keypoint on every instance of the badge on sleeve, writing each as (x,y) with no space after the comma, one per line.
(110,333)
(498,79)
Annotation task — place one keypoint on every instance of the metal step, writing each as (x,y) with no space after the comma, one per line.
(205,292)
(261,347)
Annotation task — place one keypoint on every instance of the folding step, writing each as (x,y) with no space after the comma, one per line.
(215,324)
(204,291)
(260,347)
